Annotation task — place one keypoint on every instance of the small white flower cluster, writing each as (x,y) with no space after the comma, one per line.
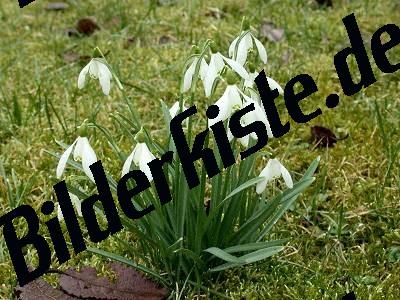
(233,98)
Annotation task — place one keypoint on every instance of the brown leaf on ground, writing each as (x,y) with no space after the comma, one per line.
(323,137)
(325,2)
(215,13)
(40,290)
(269,31)
(166,39)
(71,56)
(129,284)
(57,6)
(87,26)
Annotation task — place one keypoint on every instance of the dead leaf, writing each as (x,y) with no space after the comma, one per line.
(325,2)
(57,6)
(269,31)
(323,137)
(215,13)
(129,284)
(87,26)
(207,206)
(40,290)
(71,56)
(166,39)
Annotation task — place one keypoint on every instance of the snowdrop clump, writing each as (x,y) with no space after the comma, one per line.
(182,237)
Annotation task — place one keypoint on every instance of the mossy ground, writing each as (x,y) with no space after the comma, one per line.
(332,250)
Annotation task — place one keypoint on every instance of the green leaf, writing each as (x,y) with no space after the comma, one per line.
(254,246)
(249,258)
(224,255)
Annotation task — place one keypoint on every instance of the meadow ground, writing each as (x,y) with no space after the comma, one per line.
(345,230)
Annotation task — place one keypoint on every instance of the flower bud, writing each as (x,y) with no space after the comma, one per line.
(83,129)
(213,47)
(196,49)
(252,67)
(97,52)
(231,77)
(140,137)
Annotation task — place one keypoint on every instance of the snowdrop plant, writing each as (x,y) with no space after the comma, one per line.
(224,222)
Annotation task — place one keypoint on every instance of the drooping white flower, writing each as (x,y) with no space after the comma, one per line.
(245,44)
(217,63)
(83,151)
(75,202)
(188,77)
(257,114)
(140,156)
(274,169)
(97,70)
(228,102)
(271,82)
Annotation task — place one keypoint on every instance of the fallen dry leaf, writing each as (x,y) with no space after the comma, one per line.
(269,31)
(166,39)
(325,2)
(87,26)
(129,284)
(71,56)
(40,290)
(215,13)
(323,137)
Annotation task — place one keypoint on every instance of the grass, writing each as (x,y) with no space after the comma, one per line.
(344,231)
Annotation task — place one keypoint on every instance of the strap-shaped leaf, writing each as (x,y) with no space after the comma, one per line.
(224,255)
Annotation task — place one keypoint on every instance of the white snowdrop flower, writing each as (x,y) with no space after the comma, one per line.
(97,70)
(274,169)
(83,152)
(245,44)
(257,114)
(217,63)
(228,102)
(271,82)
(188,77)
(140,156)
(75,202)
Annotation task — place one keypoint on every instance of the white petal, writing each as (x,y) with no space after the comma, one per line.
(203,69)
(224,108)
(63,160)
(261,186)
(59,213)
(188,77)
(261,50)
(104,78)
(146,170)
(232,47)
(146,157)
(214,68)
(173,111)
(286,177)
(88,158)
(94,68)
(82,76)
(127,165)
(76,202)
(244,45)
(250,81)
(234,96)
(238,68)
(274,85)
(79,148)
